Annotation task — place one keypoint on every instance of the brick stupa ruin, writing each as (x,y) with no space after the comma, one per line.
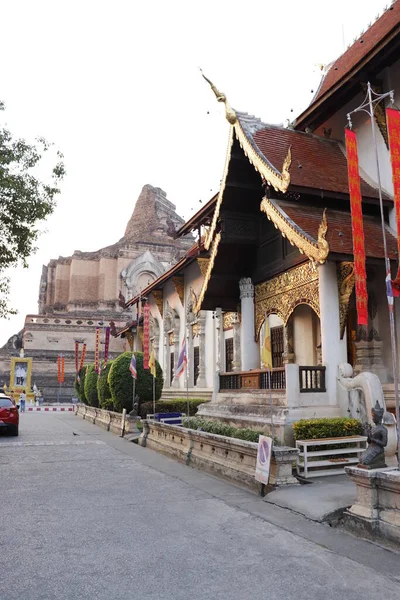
(81,292)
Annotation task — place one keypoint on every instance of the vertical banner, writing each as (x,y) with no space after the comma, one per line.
(82,357)
(357,228)
(263,462)
(393,126)
(146,335)
(59,368)
(76,356)
(62,369)
(106,347)
(97,351)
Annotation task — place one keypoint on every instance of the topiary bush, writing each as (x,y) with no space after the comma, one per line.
(312,429)
(168,406)
(103,388)
(120,381)
(91,386)
(80,385)
(108,405)
(220,428)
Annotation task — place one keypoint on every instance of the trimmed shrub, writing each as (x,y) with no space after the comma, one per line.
(120,381)
(220,428)
(108,405)
(312,429)
(91,386)
(168,406)
(80,385)
(103,389)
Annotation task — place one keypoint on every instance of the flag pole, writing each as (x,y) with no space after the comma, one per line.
(154,394)
(368,106)
(187,380)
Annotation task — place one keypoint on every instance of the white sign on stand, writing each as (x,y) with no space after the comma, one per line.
(263,459)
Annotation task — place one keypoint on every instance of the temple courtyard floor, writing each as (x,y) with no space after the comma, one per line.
(93,516)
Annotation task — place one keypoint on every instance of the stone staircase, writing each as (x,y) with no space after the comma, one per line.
(172,393)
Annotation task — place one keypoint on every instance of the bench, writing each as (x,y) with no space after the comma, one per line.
(311,463)
(173,418)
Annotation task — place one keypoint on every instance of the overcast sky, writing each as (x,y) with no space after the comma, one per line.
(116,86)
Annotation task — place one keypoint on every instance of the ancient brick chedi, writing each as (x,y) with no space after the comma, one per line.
(81,292)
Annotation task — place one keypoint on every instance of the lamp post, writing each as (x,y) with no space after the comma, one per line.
(368,106)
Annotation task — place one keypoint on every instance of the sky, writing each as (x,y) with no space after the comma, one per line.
(116,86)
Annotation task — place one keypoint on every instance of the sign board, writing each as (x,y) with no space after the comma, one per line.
(263,459)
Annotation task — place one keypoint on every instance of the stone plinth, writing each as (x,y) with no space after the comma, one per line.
(369,357)
(377,510)
(230,458)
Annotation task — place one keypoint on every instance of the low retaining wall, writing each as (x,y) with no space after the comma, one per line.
(227,457)
(377,510)
(111,421)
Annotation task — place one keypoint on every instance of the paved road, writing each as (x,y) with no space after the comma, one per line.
(95,517)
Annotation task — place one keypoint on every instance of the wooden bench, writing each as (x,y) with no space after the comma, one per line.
(346,456)
(174,418)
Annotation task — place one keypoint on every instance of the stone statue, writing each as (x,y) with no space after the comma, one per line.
(377,437)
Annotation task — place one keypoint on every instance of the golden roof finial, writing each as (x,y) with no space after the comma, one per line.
(220,96)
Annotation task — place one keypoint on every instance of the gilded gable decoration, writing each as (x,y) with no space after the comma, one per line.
(180,288)
(207,275)
(281,294)
(203,264)
(158,298)
(315,250)
(345,279)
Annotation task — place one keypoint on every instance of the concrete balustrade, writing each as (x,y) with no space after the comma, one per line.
(230,458)
(111,421)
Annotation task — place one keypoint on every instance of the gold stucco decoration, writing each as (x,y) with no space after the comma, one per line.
(228,319)
(180,288)
(281,294)
(158,298)
(315,251)
(207,274)
(203,264)
(345,279)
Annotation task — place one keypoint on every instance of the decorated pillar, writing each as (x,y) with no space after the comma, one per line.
(288,351)
(219,334)
(237,365)
(333,348)
(250,354)
(201,321)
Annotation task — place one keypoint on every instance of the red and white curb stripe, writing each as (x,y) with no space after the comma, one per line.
(49,408)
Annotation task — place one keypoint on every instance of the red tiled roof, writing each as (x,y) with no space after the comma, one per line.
(339,235)
(317,163)
(359,51)
(203,214)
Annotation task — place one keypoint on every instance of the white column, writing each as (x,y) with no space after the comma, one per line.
(250,354)
(333,348)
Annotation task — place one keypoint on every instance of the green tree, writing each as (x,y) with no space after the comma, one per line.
(80,385)
(121,382)
(91,386)
(103,388)
(25,200)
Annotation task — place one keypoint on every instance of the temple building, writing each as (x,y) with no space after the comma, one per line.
(275,245)
(86,290)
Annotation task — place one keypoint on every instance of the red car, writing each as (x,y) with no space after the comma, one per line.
(9,415)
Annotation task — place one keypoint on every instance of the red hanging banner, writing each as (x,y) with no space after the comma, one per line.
(357,228)
(59,368)
(82,357)
(76,356)
(62,369)
(393,126)
(97,350)
(146,336)
(106,346)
